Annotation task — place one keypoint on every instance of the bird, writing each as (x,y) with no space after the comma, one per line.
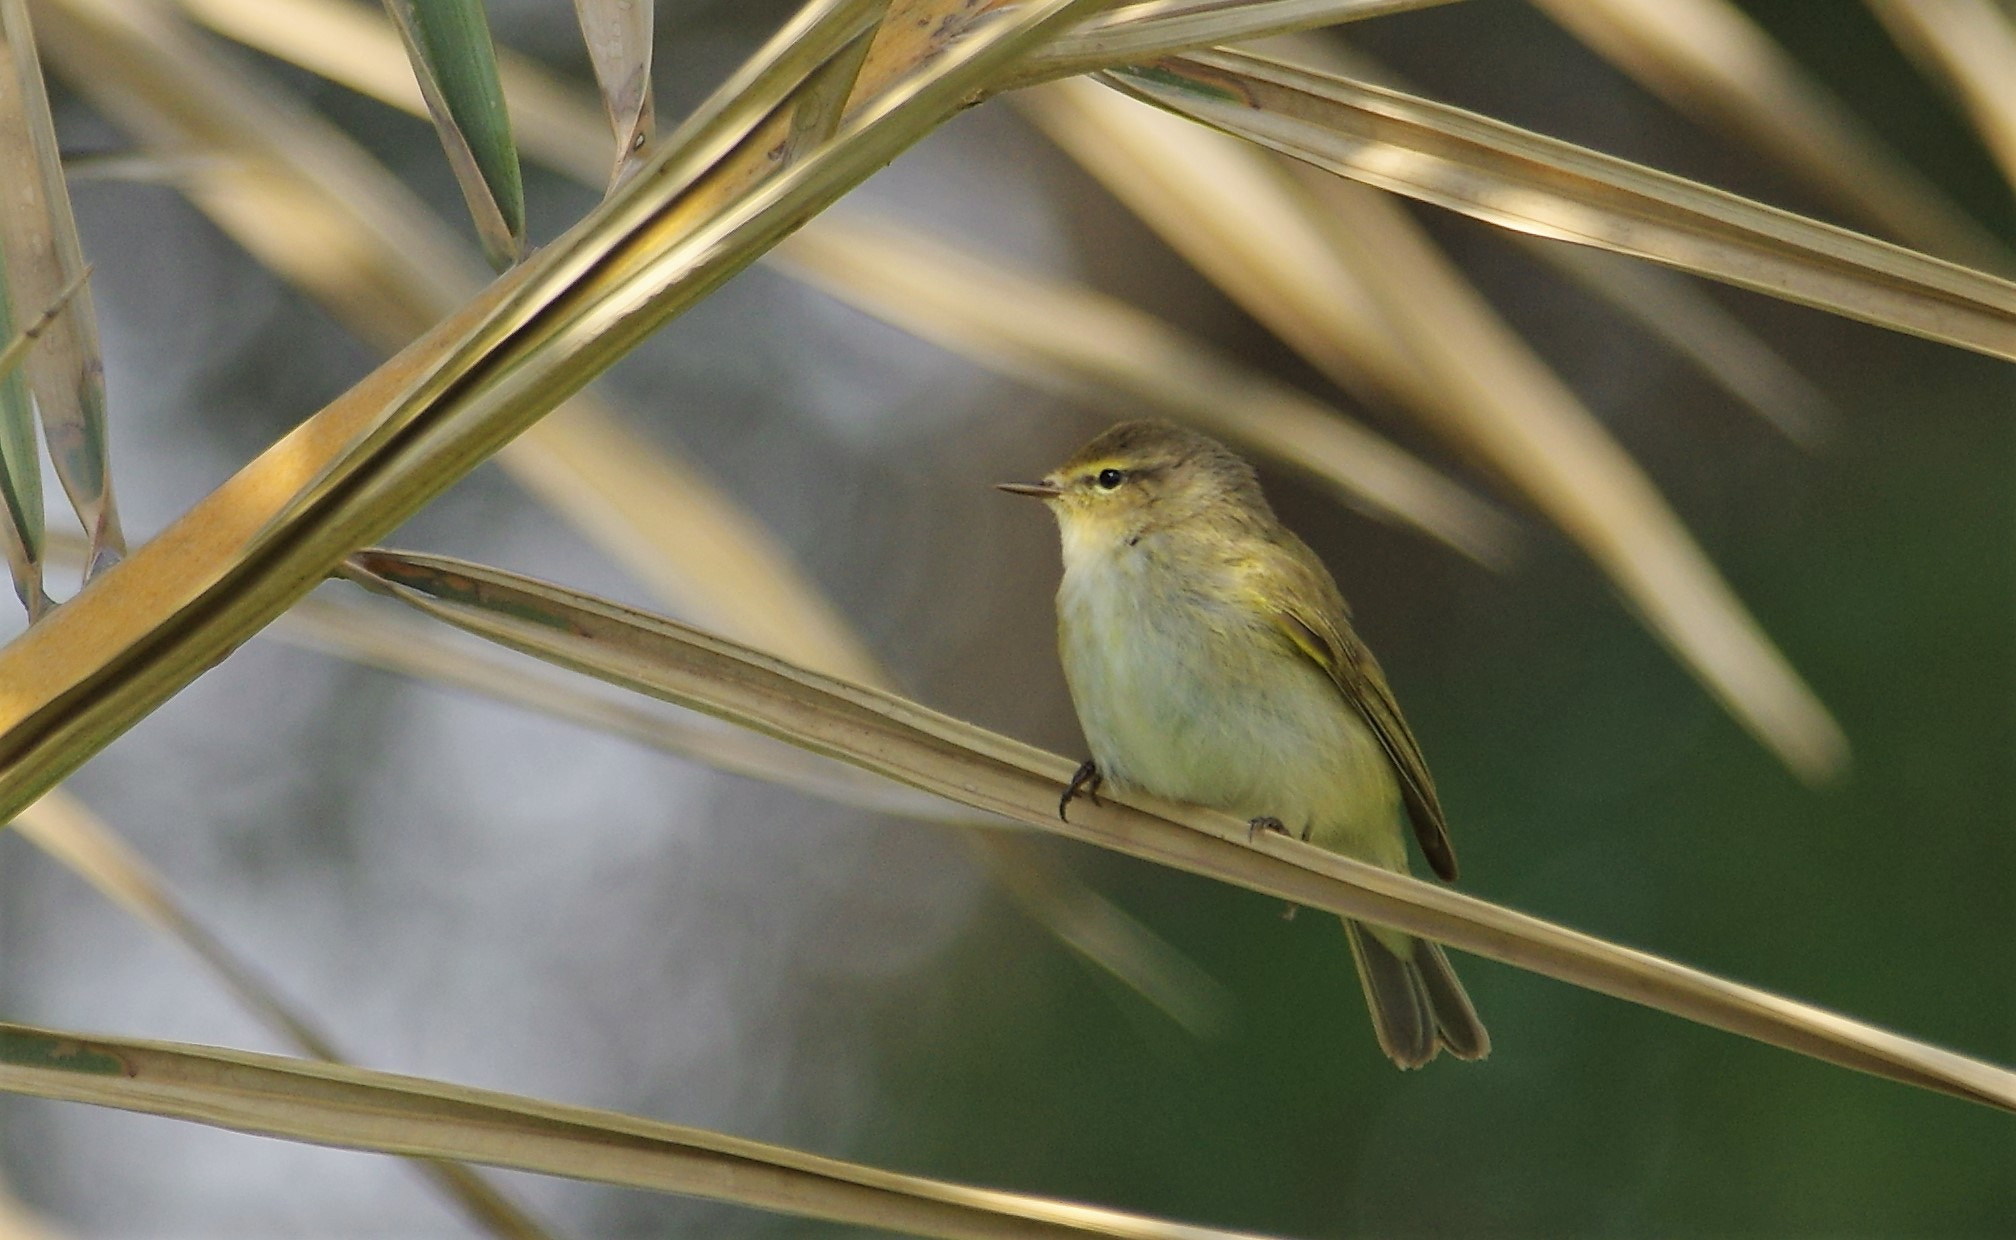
(1211,660)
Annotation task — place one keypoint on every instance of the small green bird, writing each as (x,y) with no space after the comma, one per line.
(1211,660)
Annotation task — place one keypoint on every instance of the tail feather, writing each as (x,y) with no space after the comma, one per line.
(1418,1007)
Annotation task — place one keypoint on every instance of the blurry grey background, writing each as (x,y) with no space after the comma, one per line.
(462,890)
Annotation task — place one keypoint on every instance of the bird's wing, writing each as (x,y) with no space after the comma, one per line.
(1324,635)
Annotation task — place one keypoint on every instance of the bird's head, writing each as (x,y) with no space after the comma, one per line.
(1143,476)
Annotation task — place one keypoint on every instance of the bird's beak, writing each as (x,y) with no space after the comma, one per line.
(1041,490)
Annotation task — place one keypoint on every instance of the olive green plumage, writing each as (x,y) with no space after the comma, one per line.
(1211,660)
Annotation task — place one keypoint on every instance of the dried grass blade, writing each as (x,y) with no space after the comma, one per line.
(1132,32)
(65,829)
(1970,45)
(455,64)
(1529,183)
(1708,58)
(1666,304)
(1074,340)
(354,1108)
(618,34)
(423,652)
(290,174)
(43,255)
(912,744)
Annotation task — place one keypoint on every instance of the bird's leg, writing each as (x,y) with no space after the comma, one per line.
(1087,781)
(1267,822)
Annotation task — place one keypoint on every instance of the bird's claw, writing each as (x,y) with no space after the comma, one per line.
(1266,822)
(1087,781)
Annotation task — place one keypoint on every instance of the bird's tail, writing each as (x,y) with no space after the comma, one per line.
(1418,1006)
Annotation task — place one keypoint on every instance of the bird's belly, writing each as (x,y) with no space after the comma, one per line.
(1203,702)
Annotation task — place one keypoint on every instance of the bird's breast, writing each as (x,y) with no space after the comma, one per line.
(1186,690)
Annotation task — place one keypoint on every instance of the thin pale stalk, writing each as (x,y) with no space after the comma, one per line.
(354,1108)
(65,829)
(1529,183)
(1133,32)
(1710,59)
(44,255)
(1666,304)
(915,745)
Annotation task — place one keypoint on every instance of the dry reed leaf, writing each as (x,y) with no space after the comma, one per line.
(423,652)
(1130,32)
(65,828)
(618,35)
(1072,339)
(1708,58)
(1529,183)
(354,1108)
(1970,46)
(455,64)
(43,256)
(1359,312)
(670,527)
(1666,304)
(914,745)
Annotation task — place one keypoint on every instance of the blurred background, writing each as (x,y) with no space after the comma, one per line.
(462,889)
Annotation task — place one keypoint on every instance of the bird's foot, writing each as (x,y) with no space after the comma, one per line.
(1266,822)
(1087,781)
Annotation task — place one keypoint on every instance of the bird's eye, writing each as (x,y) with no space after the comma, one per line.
(1110,478)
